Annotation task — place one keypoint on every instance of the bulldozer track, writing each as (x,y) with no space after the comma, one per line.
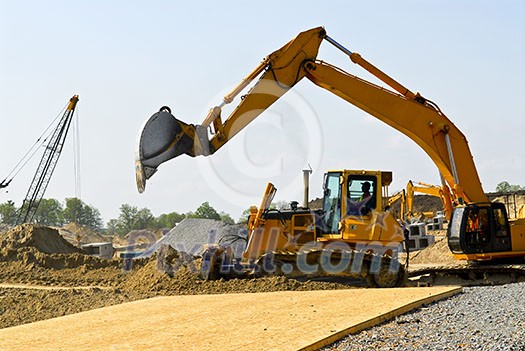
(380,270)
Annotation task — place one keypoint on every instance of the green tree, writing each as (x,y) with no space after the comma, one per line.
(49,212)
(79,212)
(92,218)
(112,226)
(505,187)
(74,210)
(144,219)
(131,218)
(226,218)
(244,216)
(168,220)
(126,219)
(205,211)
(8,213)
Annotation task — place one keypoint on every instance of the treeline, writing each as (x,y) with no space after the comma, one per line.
(132,218)
(506,187)
(52,212)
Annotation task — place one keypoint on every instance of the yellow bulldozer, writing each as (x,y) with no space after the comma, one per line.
(350,235)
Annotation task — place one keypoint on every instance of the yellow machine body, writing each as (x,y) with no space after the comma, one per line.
(165,137)
(343,219)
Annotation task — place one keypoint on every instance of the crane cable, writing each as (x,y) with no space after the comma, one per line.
(30,153)
(76,156)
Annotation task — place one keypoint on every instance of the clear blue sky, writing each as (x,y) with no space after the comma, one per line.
(125,59)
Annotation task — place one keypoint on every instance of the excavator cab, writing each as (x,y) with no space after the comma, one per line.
(479,229)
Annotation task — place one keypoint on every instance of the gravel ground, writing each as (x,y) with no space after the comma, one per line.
(481,318)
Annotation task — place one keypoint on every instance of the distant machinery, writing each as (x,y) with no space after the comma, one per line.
(47,165)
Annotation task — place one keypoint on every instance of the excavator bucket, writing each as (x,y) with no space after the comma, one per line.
(162,138)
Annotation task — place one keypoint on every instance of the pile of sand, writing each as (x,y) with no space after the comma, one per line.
(513,202)
(170,272)
(72,232)
(438,253)
(43,246)
(44,239)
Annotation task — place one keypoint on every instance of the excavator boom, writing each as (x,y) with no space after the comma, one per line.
(418,119)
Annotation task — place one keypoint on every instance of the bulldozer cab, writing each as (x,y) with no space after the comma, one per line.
(352,193)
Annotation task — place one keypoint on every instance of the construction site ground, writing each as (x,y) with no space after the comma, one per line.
(44,279)
(286,320)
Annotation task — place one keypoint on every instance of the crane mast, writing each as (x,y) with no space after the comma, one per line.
(47,165)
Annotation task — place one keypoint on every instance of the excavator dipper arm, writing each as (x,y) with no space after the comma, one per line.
(164,137)
(443,192)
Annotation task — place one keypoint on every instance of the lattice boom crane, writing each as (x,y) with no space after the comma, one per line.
(47,165)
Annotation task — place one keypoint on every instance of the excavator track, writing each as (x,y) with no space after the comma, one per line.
(466,274)
(380,270)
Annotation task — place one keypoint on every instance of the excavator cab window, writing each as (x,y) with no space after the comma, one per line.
(502,240)
(477,230)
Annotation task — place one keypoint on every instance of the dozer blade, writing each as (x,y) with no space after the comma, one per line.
(164,137)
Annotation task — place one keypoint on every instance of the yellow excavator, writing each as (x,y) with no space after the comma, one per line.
(355,238)
(443,192)
(401,197)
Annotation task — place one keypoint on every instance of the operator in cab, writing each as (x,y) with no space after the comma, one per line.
(365,188)
(362,205)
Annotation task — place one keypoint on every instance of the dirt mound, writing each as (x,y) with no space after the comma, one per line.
(316,203)
(20,306)
(38,246)
(74,232)
(168,272)
(427,203)
(172,272)
(44,239)
(513,202)
(24,272)
(31,257)
(438,253)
